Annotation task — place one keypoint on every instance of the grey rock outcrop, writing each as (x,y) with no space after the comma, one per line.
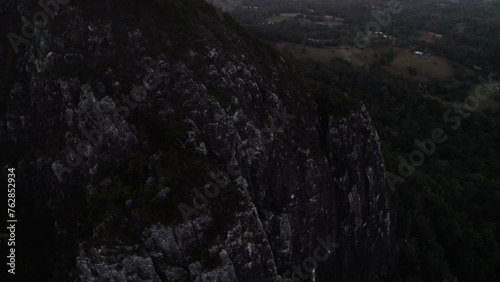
(127,104)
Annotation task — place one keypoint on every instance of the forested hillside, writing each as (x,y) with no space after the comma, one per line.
(429,78)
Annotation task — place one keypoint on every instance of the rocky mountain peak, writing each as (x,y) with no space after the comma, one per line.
(161,143)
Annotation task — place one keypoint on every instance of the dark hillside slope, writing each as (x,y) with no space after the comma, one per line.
(120,113)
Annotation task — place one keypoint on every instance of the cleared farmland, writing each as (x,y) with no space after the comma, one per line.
(426,67)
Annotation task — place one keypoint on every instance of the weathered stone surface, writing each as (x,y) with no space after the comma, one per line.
(95,91)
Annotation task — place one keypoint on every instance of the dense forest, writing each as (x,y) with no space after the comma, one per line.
(449,206)
(448,192)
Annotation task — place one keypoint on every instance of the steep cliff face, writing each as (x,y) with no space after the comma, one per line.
(162,143)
